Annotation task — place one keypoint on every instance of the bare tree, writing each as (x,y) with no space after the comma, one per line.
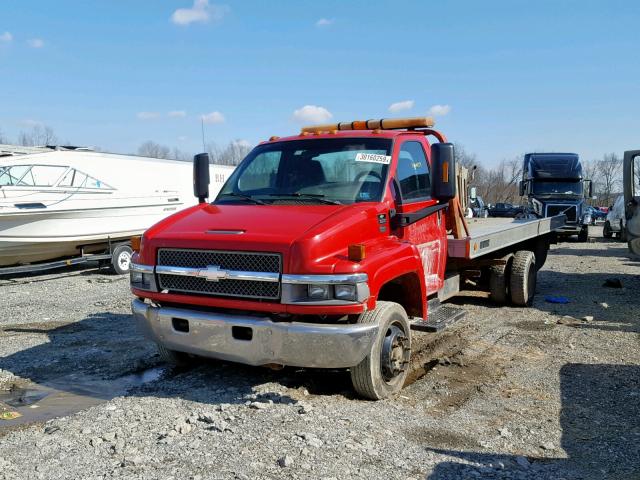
(232,154)
(37,136)
(3,139)
(464,158)
(154,150)
(609,177)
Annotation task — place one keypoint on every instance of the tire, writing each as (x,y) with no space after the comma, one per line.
(499,276)
(121,259)
(178,359)
(583,236)
(623,232)
(370,378)
(541,251)
(606,230)
(523,278)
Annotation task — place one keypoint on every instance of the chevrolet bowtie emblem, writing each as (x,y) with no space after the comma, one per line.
(213,273)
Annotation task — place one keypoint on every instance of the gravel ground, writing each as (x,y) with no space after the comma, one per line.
(551,391)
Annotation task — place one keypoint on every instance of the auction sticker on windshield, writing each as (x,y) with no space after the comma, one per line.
(373,158)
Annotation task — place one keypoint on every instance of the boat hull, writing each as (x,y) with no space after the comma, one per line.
(28,237)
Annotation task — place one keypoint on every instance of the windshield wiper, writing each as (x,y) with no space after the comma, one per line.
(316,196)
(244,197)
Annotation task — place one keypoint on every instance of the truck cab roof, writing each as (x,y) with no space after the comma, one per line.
(347,134)
(553,165)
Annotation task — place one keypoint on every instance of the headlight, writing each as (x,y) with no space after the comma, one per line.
(337,289)
(141,276)
(586,218)
(136,277)
(345,292)
(318,292)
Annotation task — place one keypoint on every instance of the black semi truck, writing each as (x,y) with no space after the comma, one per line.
(554,185)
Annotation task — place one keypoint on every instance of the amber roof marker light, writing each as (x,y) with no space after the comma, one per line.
(380,124)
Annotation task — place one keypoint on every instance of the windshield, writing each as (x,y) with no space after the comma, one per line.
(569,187)
(31,175)
(48,176)
(340,170)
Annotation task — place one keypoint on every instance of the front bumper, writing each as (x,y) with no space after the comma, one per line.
(571,229)
(255,340)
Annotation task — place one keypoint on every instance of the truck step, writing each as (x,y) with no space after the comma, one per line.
(439,319)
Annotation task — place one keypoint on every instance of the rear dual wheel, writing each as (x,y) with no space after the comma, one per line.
(384,370)
(515,280)
(522,283)
(499,277)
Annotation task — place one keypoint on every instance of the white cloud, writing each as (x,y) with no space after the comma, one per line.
(177,114)
(311,114)
(6,37)
(213,117)
(35,43)
(325,22)
(29,122)
(147,115)
(439,110)
(400,106)
(200,12)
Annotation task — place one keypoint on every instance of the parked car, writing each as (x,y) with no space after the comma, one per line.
(504,210)
(596,214)
(616,222)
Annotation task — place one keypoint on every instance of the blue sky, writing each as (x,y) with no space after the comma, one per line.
(504,77)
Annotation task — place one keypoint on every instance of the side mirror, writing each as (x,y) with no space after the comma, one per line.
(443,164)
(201,177)
(521,188)
(589,188)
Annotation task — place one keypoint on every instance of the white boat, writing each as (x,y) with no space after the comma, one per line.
(64,203)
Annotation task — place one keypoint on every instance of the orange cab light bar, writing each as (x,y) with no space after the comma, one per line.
(382,124)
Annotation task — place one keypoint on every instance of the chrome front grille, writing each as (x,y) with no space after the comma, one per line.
(569,210)
(245,261)
(195,263)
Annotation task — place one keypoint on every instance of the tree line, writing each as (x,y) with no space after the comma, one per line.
(494,184)
(499,184)
(230,154)
(38,135)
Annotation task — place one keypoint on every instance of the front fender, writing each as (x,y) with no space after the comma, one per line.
(391,260)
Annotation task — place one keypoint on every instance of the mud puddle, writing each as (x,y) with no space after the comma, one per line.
(66,395)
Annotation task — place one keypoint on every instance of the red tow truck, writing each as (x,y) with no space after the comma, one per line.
(328,249)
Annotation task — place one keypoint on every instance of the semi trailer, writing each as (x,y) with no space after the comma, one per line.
(554,184)
(329,249)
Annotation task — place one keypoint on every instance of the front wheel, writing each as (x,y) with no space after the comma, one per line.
(623,232)
(606,230)
(583,236)
(384,370)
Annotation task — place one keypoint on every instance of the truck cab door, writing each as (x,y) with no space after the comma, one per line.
(631,181)
(428,234)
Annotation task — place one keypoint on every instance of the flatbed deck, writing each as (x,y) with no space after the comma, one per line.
(488,235)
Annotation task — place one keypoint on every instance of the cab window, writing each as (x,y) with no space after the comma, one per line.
(413,172)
